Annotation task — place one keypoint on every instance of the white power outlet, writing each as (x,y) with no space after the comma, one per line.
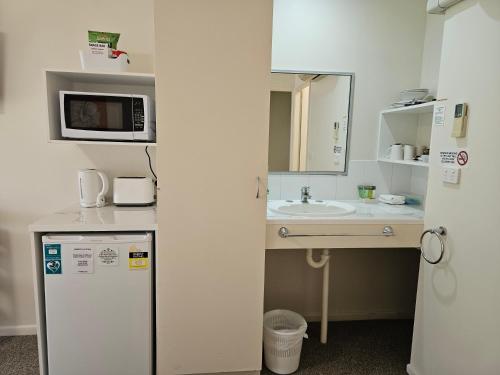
(450,175)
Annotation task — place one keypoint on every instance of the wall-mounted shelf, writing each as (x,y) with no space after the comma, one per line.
(413,109)
(406,125)
(405,162)
(102,143)
(107,78)
(120,82)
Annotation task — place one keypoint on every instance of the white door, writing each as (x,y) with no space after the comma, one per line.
(457,321)
(212,99)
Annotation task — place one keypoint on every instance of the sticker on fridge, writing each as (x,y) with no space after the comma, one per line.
(108,257)
(82,260)
(52,259)
(137,259)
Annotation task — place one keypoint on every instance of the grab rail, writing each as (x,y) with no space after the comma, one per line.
(388,231)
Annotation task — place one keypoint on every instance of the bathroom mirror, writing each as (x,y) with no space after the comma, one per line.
(309,122)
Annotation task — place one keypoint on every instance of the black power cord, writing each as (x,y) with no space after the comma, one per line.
(151,166)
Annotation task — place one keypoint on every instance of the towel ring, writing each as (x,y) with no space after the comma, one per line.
(439,233)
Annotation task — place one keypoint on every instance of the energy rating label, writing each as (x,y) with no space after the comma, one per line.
(137,259)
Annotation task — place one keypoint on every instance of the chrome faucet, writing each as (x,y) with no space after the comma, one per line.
(305,194)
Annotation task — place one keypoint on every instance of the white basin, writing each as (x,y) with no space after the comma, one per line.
(313,208)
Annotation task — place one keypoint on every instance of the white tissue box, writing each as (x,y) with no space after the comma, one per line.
(102,63)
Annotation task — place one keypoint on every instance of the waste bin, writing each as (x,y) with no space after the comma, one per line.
(284,331)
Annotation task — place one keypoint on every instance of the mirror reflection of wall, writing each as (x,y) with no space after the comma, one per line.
(309,122)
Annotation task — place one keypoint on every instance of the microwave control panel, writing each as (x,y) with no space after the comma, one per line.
(138,113)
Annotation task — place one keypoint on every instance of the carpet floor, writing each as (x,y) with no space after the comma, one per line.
(372,347)
(376,347)
(18,355)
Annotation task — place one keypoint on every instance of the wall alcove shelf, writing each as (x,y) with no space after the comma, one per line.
(406,125)
(120,82)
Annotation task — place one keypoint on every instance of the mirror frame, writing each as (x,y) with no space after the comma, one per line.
(349,123)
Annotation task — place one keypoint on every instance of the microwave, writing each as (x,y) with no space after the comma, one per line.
(116,117)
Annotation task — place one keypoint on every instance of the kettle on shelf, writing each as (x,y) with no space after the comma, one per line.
(93,186)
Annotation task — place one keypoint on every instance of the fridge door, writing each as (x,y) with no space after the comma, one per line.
(99,306)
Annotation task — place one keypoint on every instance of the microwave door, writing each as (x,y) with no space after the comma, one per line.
(98,117)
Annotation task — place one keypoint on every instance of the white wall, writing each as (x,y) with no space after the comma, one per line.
(431,61)
(380,41)
(387,177)
(431,58)
(39,178)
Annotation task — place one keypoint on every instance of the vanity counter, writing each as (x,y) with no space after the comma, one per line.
(362,229)
(105,219)
(366,213)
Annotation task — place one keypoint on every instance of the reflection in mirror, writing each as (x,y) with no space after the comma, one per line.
(309,122)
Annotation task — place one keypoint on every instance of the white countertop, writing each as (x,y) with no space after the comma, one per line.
(112,218)
(366,213)
(108,218)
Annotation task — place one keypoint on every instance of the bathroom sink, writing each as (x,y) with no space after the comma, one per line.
(313,208)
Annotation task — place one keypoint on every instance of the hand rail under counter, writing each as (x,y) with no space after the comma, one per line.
(338,234)
(387,231)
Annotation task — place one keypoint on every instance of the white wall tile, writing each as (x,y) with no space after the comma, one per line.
(291,185)
(378,174)
(274,186)
(401,179)
(386,177)
(347,186)
(323,187)
(419,178)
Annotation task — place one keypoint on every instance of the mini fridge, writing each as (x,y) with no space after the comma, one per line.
(99,303)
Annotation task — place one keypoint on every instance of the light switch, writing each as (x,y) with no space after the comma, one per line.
(450,175)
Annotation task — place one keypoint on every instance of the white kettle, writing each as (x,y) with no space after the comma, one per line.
(93,186)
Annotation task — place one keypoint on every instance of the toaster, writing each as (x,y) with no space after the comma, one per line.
(133,191)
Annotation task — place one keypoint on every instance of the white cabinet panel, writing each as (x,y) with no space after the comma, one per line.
(212,99)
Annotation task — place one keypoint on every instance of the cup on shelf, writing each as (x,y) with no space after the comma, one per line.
(421,150)
(424,158)
(409,152)
(395,152)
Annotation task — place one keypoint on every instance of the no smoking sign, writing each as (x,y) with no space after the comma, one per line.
(457,158)
(462,158)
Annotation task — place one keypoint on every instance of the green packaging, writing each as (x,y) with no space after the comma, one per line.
(366,191)
(111,39)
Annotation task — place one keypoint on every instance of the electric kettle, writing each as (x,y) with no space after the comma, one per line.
(93,186)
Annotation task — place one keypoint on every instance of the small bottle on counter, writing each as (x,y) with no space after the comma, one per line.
(366,192)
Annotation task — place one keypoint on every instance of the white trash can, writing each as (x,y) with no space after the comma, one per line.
(284,331)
